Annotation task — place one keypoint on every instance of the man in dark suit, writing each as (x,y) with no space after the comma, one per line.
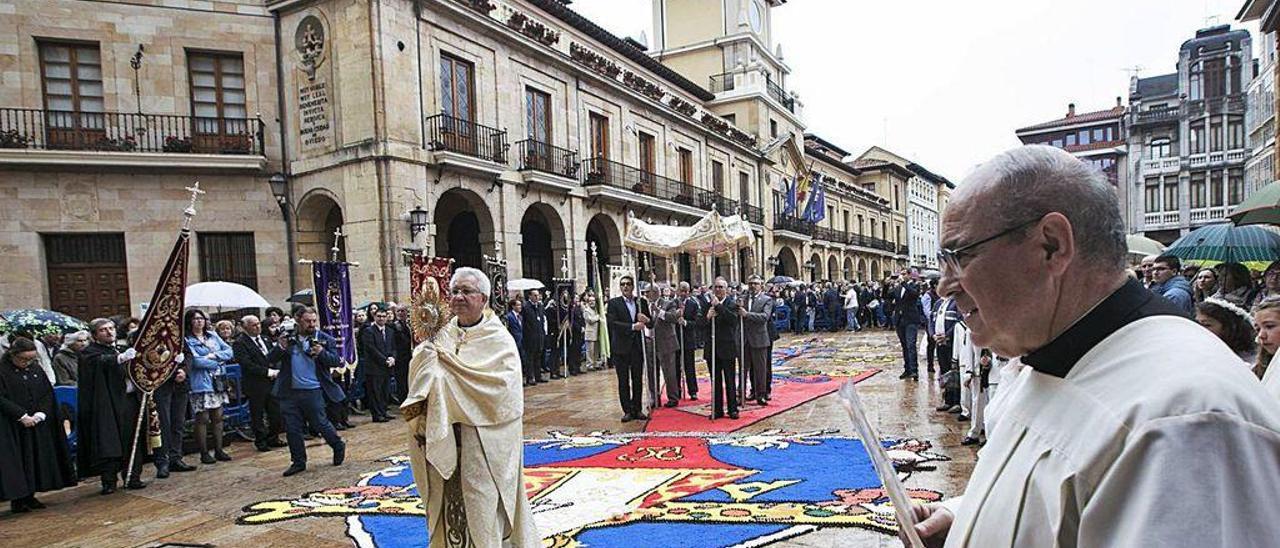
(535,334)
(251,349)
(627,317)
(757,314)
(831,300)
(404,351)
(693,333)
(377,358)
(304,384)
(723,312)
(908,320)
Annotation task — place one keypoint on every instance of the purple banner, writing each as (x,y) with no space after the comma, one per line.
(333,302)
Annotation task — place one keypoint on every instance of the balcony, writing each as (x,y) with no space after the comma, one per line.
(1160,165)
(792,224)
(1153,221)
(903,250)
(724,82)
(469,140)
(34,136)
(1159,115)
(829,235)
(544,158)
(1208,214)
(676,196)
(753,214)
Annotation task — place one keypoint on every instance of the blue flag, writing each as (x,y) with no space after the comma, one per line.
(333,301)
(789,204)
(818,206)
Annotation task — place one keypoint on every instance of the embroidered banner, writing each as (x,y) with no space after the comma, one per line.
(497,271)
(332,287)
(160,337)
(429,293)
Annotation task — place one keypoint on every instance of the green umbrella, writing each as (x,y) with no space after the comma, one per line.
(1262,207)
(38,321)
(1227,243)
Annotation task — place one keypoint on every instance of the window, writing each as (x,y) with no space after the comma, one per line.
(1196,77)
(228,257)
(884,229)
(895,197)
(1197,190)
(599,136)
(717,177)
(1084,137)
(1235,186)
(773,128)
(537,115)
(647,159)
(1215,189)
(1153,195)
(1196,138)
(1215,73)
(1235,82)
(744,187)
(1235,133)
(72,79)
(686,165)
(846,221)
(1171,194)
(217,93)
(1159,148)
(457,88)
(861,228)
(1098,135)
(1215,134)
(731,118)
(1071,140)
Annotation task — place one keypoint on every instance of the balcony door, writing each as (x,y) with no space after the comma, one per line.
(537,121)
(220,117)
(647,163)
(457,104)
(72,81)
(599,162)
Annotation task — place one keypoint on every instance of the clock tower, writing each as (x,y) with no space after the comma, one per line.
(727,46)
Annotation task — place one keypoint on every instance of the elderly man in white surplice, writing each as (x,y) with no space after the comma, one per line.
(464,413)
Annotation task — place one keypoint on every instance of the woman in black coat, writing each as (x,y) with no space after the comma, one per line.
(29,409)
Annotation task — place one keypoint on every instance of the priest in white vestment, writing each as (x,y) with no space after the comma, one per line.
(1127,424)
(464,412)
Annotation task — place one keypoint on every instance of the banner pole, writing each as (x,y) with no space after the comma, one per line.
(137,430)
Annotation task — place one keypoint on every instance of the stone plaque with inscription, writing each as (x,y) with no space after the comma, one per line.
(315,126)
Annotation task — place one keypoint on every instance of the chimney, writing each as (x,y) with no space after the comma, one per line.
(1071,110)
(1119,102)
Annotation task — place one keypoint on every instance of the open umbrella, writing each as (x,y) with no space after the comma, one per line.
(39,321)
(780,280)
(1142,245)
(1261,208)
(1227,243)
(224,295)
(524,284)
(305,297)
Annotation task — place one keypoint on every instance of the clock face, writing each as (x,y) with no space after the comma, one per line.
(756,15)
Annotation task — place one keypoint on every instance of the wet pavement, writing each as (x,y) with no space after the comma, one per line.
(202,507)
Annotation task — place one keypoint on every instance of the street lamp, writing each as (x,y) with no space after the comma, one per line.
(279,188)
(417,220)
(772,262)
(813,270)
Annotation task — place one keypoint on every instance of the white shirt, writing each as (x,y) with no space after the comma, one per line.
(1271,379)
(1152,438)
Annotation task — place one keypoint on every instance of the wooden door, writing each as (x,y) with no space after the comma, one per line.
(88,275)
(457,103)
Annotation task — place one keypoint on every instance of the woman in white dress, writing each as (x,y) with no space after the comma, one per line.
(1232,324)
(591,330)
(1266,317)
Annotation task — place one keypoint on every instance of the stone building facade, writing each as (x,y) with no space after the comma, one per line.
(1096,138)
(1186,137)
(520,130)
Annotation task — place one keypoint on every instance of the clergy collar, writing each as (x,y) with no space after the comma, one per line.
(1128,304)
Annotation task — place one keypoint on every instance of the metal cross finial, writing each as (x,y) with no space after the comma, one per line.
(337,235)
(191,208)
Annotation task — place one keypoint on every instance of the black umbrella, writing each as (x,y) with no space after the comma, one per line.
(305,297)
(38,321)
(780,280)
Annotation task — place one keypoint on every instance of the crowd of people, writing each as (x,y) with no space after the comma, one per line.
(290,379)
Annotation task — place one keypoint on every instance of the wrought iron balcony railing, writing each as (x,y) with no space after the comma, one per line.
(721,82)
(547,158)
(792,224)
(453,134)
(780,95)
(753,214)
(599,171)
(120,132)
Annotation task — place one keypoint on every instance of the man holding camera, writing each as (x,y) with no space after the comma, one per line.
(305,355)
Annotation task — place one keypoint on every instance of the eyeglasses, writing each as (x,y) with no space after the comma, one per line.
(463,291)
(952,258)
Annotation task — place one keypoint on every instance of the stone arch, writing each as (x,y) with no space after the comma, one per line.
(816,264)
(318,216)
(543,243)
(603,231)
(833,268)
(464,228)
(863,270)
(788,265)
(875,270)
(849,273)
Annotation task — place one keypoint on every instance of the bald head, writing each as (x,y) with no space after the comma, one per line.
(1027,183)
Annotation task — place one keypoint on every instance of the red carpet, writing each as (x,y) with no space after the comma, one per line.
(694,416)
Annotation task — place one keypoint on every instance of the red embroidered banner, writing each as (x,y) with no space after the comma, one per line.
(160,337)
(429,287)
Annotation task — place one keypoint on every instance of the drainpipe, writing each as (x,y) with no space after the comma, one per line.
(285,208)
